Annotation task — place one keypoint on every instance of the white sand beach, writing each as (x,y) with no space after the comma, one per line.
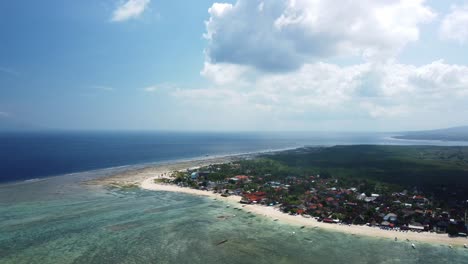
(274,213)
(145,179)
(137,176)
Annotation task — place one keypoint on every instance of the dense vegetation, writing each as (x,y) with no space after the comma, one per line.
(442,171)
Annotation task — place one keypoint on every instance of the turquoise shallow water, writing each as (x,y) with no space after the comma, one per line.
(70,224)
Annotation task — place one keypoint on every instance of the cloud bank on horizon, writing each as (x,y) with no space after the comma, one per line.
(278,58)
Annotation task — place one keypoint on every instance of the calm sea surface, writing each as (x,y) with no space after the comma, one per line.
(26,156)
(60,220)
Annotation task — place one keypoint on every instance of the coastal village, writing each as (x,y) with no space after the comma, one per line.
(329,199)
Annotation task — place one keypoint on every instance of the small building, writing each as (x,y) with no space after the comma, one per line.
(370,199)
(391,217)
(361,196)
(242,178)
(194,175)
(416,227)
(239,179)
(419,199)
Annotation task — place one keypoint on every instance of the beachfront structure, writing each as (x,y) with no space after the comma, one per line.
(391,217)
(416,227)
(194,175)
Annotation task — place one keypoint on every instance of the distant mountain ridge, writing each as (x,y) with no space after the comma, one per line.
(447,134)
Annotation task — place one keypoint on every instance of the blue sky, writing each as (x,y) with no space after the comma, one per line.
(235,65)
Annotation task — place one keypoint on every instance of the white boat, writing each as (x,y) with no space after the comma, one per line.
(450,246)
(465,246)
(413,246)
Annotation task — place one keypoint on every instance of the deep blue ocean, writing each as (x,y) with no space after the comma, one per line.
(35,155)
(31,155)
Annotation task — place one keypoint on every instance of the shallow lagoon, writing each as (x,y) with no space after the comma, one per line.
(80,224)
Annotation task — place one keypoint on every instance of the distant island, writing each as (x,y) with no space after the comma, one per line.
(448,134)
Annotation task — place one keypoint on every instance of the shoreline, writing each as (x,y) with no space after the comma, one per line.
(137,176)
(144,179)
(275,215)
(122,169)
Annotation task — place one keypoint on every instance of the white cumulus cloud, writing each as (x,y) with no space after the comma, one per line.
(282,35)
(378,90)
(225,73)
(280,63)
(455,25)
(130,9)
